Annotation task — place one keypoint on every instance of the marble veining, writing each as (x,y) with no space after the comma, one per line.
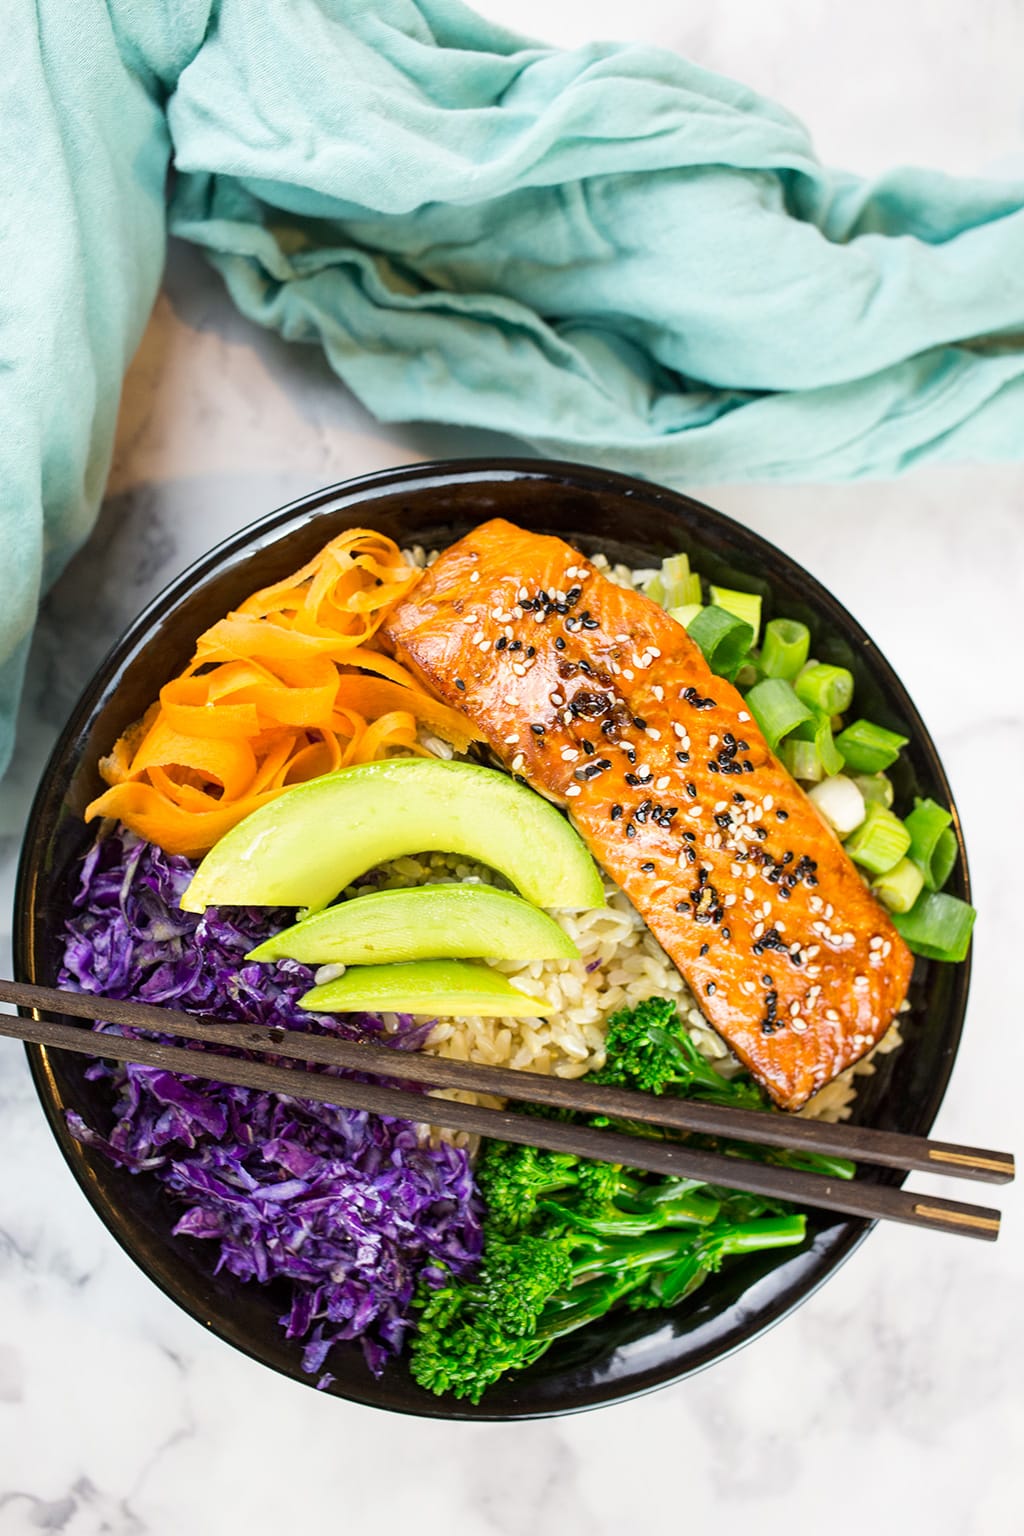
(893,1397)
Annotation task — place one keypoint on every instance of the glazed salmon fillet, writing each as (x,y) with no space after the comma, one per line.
(594,696)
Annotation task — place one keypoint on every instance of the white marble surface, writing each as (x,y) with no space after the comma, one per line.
(893,1398)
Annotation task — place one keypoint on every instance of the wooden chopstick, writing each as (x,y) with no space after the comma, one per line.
(862,1144)
(656,1156)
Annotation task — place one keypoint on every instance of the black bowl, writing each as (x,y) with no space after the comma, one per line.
(628,1353)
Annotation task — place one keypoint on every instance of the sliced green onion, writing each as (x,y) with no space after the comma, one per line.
(926,824)
(937,926)
(776,709)
(900,887)
(686,613)
(944,858)
(841,803)
(785,648)
(819,730)
(875,787)
(879,842)
(824,687)
(868,748)
(803,760)
(745,605)
(675,583)
(724,639)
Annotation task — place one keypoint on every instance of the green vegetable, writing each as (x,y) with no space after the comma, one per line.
(675,584)
(456,920)
(937,926)
(686,614)
(430,987)
(301,849)
(566,1239)
(875,787)
(803,760)
(822,687)
(867,747)
(776,709)
(900,887)
(724,639)
(819,731)
(926,824)
(944,858)
(785,648)
(879,842)
(745,605)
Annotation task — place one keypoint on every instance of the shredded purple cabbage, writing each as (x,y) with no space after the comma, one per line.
(349,1209)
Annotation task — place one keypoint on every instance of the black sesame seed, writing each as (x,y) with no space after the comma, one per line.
(710,989)
(631,830)
(712,767)
(501,642)
(531,650)
(590,624)
(781,815)
(561,607)
(559,643)
(704,948)
(573,595)
(690,837)
(760,832)
(640,724)
(784,893)
(691,790)
(647,868)
(743,746)
(460,685)
(682,757)
(691,857)
(729,739)
(748,766)
(516,645)
(616,812)
(588,746)
(738,799)
(724,819)
(726,933)
(538,730)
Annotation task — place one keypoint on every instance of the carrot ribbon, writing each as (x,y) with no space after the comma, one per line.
(285,688)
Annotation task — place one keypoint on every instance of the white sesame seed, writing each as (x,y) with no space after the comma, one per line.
(498,615)
(679,730)
(517,762)
(742,715)
(730,900)
(829,912)
(748,894)
(517,612)
(875,943)
(522,594)
(510,741)
(758,930)
(768,802)
(794,1009)
(748,987)
(653,733)
(569,754)
(484,645)
(694,813)
(567,717)
(721,805)
(831,1015)
(658,692)
(518,669)
(474,575)
(511,699)
(539,618)
(736,870)
(556,699)
(886,948)
(663,782)
(815,903)
(627,674)
(798,1026)
(860,982)
(814,970)
(573,789)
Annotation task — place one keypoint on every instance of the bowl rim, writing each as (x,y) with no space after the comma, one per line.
(243,543)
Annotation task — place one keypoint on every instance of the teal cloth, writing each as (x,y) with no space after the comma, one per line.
(610,252)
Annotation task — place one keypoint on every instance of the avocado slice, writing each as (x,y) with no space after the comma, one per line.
(445,988)
(457,921)
(301,849)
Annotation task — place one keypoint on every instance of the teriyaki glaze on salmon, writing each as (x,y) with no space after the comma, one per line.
(593,695)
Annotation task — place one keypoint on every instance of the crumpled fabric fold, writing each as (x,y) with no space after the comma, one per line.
(610,252)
